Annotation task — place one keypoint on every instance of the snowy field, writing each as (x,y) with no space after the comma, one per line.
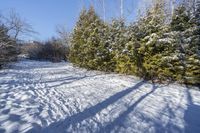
(44,97)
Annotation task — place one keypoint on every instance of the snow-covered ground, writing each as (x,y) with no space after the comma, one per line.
(57,97)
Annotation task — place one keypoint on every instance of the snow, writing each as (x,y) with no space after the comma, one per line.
(45,97)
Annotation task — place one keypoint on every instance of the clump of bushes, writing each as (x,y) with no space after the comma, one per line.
(153,47)
(52,50)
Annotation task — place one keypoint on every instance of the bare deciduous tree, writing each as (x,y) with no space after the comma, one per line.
(17,26)
(11,27)
(63,34)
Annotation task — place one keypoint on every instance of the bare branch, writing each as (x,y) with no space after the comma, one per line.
(17,26)
(63,34)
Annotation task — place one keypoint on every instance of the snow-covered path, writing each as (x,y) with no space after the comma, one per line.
(57,98)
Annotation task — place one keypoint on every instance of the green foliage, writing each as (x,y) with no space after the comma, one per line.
(180,19)
(151,48)
(152,26)
(89,46)
(122,47)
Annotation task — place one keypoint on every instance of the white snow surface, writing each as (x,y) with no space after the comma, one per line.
(45,97)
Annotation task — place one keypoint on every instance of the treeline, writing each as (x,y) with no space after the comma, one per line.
(155,47)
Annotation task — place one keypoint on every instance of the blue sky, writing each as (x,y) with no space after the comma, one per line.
(45,15)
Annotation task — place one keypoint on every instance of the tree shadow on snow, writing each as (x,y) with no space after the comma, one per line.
(119,121)
(192,115)
(62,125)
(192,121)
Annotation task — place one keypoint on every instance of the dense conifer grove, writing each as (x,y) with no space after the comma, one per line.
(156,47)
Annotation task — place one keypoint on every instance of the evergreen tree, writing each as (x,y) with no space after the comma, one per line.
(104,54)
(119,39)
(180,60)
(152,26)
(79,39)
(8,47)
(180,19)
(128,59)
(89,46)
(151,48)
(192,39)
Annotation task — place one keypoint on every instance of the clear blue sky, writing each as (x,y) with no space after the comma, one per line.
(45,15)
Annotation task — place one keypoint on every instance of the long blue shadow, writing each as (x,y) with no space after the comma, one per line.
(191,115)
(89,112)
(118,122)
